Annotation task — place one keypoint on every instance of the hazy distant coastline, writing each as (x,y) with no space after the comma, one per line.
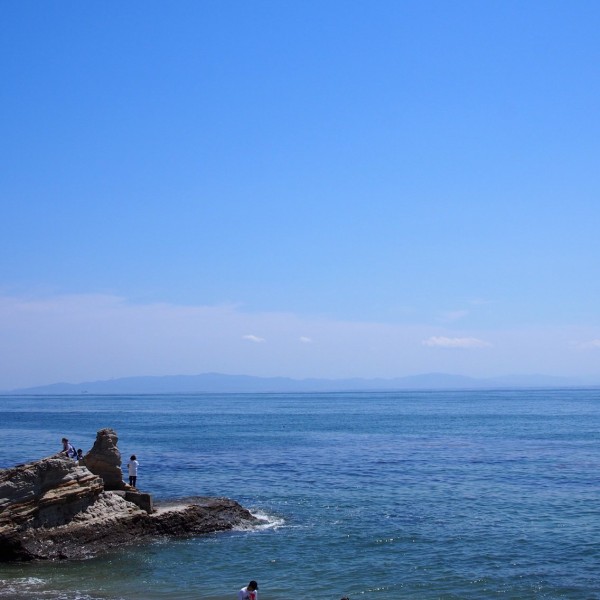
(221,383)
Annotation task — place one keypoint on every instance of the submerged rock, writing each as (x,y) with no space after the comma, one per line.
(55,508)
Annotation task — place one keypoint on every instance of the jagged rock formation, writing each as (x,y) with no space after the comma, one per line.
(55,508)
(46,493)
(104,459)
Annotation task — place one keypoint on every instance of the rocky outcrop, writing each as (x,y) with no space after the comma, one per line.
(104,459)
(55,508)
(46,493)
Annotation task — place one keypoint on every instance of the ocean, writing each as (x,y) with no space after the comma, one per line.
(377,496)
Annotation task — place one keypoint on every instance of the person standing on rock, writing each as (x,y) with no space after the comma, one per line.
(250,592)
(132,466)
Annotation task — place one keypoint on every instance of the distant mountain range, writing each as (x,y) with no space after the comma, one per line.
(219,383)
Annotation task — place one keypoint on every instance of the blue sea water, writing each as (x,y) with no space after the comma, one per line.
(378,496)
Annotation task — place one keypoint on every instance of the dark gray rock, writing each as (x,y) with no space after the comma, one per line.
(144,501)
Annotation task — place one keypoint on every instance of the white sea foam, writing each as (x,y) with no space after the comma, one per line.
(22,588)
(266,521)
(19,584)
(31,581)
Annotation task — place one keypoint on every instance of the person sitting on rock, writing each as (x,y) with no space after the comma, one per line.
(132,466)
(80,454)
(68,448)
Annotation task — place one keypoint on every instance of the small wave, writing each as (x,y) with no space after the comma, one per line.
(266,521)
(23,581)
(33,588)
(19,585)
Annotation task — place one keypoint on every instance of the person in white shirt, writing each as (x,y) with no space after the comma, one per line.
(250,592)
(133,467)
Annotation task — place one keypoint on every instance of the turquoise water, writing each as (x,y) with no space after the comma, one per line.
(381,496)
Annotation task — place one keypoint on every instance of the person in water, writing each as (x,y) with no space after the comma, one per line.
(250,592)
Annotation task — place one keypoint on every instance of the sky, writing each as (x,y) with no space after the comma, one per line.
(332,188)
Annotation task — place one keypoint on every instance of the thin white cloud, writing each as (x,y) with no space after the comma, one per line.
(591,345)
(78,338)
(479,301)
(457,342)
(253,338)
(454,315)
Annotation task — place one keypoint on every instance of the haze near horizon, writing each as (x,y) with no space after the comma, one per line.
(332,190)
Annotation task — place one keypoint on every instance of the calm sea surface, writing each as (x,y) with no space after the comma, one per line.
(377,496)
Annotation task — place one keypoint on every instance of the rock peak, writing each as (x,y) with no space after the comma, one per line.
(104,459)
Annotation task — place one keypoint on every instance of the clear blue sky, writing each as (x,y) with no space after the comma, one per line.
(299,188)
